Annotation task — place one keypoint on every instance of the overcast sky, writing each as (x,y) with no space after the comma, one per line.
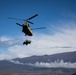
(58,16)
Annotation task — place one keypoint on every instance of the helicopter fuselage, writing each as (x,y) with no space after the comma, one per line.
(26,29)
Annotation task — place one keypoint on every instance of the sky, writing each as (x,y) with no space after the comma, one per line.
(58,16)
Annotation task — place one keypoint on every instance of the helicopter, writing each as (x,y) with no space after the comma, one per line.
(26,27)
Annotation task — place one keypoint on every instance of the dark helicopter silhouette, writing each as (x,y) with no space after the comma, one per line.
(26,27)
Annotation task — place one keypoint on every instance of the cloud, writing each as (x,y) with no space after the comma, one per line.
(61,47)
(63,40)
(16,62)
(7,41)
(54,64)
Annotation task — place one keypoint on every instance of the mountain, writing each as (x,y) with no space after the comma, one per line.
(66,57)
(6,66)
(28,64)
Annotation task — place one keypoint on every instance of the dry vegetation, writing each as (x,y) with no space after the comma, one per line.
(8,74)
(39,73)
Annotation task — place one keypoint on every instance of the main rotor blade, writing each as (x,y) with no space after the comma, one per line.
(19,24)
(32,17)
(15,18)
(38,28)
(30,22)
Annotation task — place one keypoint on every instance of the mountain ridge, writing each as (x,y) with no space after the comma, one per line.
(21,67)
(66,56)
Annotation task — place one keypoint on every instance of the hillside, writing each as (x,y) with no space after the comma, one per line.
(21,65)
(67,57)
